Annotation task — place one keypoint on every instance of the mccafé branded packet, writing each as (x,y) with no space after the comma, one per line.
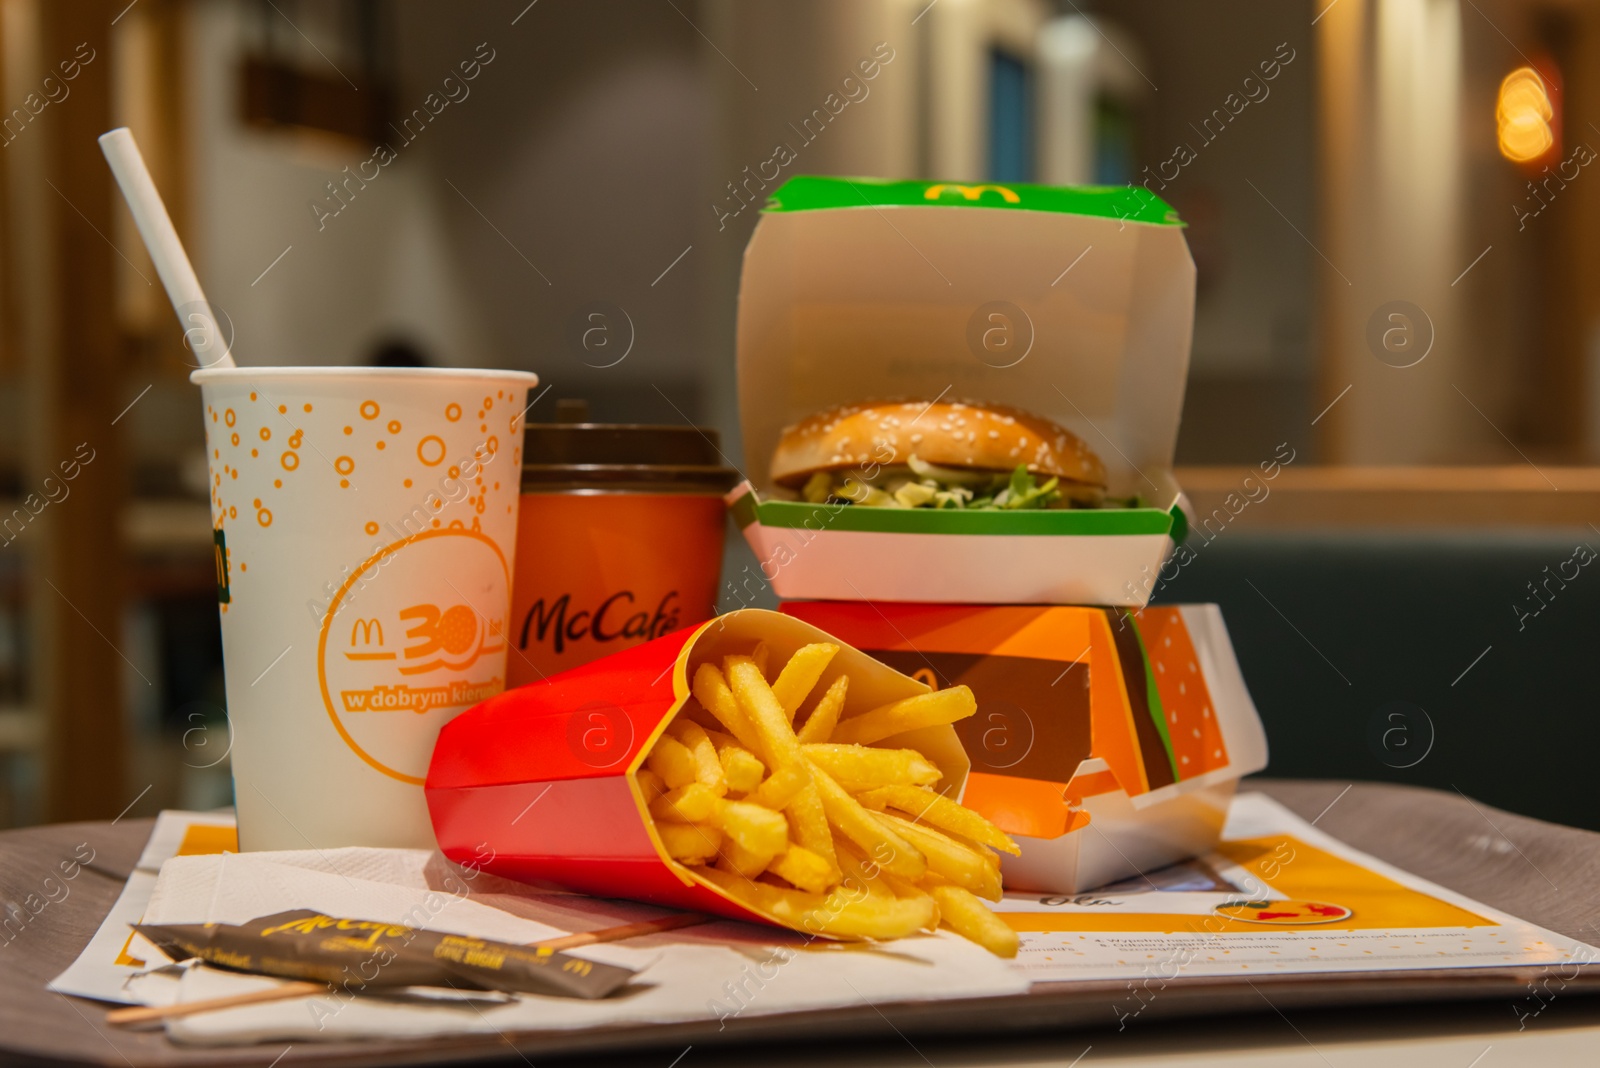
(1136,723)
(634,516)
(546,778)
(303,944)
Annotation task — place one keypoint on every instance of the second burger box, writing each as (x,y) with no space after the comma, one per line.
(1107,742)
(1075,304)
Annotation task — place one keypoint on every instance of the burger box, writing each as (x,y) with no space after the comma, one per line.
(1107,742)
(538,783)
(1076,304)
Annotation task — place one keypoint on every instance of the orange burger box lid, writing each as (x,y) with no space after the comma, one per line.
(1076,304)
(1136,724)
(538,784)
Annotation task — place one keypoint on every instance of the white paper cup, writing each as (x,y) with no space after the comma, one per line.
(365,524)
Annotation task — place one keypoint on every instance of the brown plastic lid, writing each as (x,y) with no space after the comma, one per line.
(568,456)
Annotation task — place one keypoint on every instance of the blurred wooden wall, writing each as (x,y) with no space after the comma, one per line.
(1417,204)
(60,328)
(1560,408)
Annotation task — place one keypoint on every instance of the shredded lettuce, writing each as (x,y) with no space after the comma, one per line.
(923,485)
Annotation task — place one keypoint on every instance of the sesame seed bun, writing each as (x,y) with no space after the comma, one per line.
(964,434)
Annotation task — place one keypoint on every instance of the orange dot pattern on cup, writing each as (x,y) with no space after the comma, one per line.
(362,426)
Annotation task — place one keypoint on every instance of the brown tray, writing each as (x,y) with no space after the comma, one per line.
(1511,862)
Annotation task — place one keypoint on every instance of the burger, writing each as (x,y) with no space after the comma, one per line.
(943,454)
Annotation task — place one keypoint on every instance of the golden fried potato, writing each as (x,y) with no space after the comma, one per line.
(818,726)
(809,821)
(837,913)
(740,768)
(781,786)
(763,711)
(737,859)
(860,767)
(804,869)
(711,690)
(671,760)
(793,684)
(948,858)
(939,811)
(968,917)
(650,784)
(708,768)
(689,843)
(923,710)
(757,806)
(694,803)
(758,829)
(892,852)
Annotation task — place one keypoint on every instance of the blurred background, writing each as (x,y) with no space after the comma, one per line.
(1388,203)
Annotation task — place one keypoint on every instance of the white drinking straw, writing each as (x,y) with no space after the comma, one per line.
(172,263)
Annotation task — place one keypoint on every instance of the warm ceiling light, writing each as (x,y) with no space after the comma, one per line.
(1523,114)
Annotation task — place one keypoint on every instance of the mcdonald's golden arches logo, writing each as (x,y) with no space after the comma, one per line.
(971,192)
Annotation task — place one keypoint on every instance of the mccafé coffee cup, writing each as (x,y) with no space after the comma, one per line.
(619,540)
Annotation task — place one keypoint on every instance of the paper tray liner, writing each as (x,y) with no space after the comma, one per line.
(537,784)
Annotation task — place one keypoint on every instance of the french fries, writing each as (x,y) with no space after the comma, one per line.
(694,803)
(948,858)
(690,843)
(782,786)
(971,919)
(862,768)
(923,710)
(650,785)
(801,867)
(761,707)
(747,863)
(707,765)
(839,912)
(939,811)
(710,688)
(815,826)
(800,675)
(741,770)
(810,824)
(846,816)
(758,829)
(672,760)
(818,726)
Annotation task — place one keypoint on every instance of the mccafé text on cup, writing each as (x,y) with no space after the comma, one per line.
(619,540)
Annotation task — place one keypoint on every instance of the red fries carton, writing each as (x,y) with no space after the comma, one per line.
(538,784)
(1136,723)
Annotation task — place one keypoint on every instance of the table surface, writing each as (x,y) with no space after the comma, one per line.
(1547,874)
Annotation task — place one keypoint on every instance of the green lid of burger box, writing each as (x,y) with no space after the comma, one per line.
(982,308)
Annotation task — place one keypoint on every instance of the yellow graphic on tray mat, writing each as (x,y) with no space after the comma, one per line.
(414,636)
(1295,913)
(1294,874)
(199,839)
